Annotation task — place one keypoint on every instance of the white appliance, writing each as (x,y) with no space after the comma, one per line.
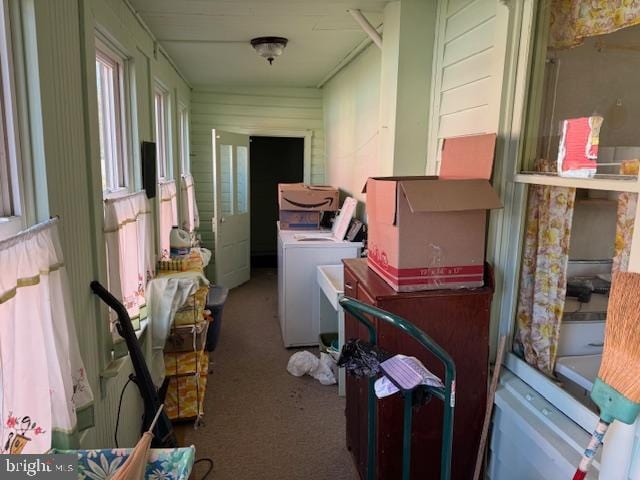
(535,440)
(299,253)
(532,439)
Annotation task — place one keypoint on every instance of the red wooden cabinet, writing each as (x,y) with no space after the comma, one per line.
(458,320)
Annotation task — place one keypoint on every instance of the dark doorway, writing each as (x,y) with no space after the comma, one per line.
(273,160)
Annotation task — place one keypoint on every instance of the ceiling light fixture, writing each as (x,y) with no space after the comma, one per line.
(269,47)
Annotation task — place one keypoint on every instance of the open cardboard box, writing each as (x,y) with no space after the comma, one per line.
(428,233)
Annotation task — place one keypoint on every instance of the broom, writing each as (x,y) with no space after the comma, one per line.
(134,467)
(616,391)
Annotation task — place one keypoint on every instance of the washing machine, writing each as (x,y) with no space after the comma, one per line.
(299,253)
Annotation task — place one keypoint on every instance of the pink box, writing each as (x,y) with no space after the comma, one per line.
(426,233)
(467,157)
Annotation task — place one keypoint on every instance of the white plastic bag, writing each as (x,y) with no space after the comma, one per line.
(324,371)
(302,363)
(306,363)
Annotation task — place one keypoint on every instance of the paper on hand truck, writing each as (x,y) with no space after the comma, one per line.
(401,371)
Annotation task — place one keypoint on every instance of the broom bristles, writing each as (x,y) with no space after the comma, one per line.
(620,367)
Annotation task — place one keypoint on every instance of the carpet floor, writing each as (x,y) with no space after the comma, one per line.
(261,422)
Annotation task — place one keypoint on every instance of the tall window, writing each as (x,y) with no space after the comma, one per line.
(162,124)
(185,161)
(6,183)
(12,208)
(110,83)
(580,165)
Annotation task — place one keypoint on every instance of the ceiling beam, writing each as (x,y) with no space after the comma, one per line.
(359,17)
(146,28)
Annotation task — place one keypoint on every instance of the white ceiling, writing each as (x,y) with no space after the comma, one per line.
(209,39)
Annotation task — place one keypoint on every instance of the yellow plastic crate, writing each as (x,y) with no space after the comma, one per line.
(186,363)
(193,309)
(193,262)
(185,397)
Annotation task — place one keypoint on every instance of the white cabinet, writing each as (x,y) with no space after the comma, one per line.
(533,440)
(298,293)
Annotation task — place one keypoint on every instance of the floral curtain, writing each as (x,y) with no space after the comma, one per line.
(168,214)
(191,219)
(627,203)
(43,382)
(130,250)
(574,20)
(543,280)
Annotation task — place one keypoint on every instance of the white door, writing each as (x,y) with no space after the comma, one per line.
(231,223)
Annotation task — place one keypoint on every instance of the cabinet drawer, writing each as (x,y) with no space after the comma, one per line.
(581,338)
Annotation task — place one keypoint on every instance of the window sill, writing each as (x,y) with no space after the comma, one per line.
(553,393)
(115,194)
(10,226)
(120,347)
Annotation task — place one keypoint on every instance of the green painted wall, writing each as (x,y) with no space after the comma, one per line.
(405,88)
(252,110)
(415,56)
(351,102)
(377,107)
(60,63)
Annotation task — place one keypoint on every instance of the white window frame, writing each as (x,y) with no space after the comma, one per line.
(14,209)
(508,250)
(183,136)
(118,161)
(162,130)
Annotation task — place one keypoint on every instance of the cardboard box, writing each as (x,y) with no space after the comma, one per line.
(426,233)
(301,197)
(187,338)
(299,220)
(468,157)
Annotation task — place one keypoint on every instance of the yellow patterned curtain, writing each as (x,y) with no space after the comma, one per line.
(627,203)
(574,20)
(543,280)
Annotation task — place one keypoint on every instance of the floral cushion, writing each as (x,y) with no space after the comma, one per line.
(163,464)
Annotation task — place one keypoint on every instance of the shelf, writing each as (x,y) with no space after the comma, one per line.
(616,185)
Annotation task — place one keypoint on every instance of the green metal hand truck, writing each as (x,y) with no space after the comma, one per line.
(447,393)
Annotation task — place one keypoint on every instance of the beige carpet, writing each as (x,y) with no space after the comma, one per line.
(261,422)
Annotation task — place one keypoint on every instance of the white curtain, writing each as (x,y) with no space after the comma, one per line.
(130,249)
(191,219)
(168,214)
(43,379)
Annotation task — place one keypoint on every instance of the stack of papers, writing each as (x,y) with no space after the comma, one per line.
(406,373)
